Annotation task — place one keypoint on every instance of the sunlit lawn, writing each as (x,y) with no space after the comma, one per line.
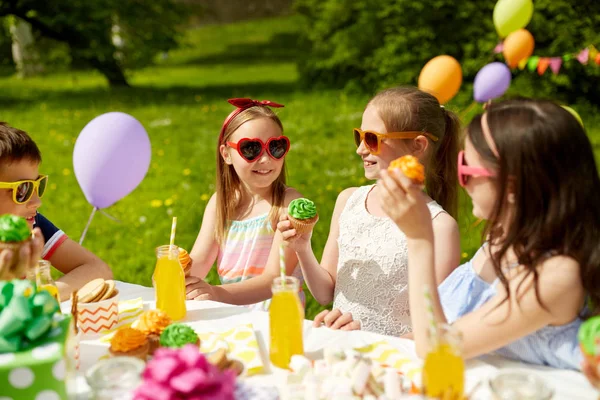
(182,102)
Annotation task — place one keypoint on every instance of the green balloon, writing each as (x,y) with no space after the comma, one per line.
(574,113)
(510,15)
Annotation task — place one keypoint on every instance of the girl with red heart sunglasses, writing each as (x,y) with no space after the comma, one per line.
(238,225)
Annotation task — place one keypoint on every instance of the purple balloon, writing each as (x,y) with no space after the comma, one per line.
(491,81)
(111,158)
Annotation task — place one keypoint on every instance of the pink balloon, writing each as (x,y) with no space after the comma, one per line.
(111,158)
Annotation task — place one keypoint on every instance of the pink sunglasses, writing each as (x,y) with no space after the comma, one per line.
(464,171)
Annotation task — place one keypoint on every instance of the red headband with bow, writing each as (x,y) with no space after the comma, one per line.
(243,104)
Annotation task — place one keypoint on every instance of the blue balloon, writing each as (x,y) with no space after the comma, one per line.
(491,81)
(111,158)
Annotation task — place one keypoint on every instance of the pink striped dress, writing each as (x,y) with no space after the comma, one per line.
(245,252)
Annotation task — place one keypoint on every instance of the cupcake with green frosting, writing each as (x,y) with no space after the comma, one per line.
(178,335)
(302,214)
(589,340)
(14,232)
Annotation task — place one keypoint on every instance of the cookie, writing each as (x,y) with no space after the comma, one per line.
(100,295)
(218,358)
(92,290)
(111,290)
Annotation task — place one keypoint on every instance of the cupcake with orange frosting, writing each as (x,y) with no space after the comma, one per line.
(411,167)
(152,323)
(129,342)
(185,260)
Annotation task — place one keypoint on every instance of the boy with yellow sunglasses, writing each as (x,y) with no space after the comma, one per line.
(21,190)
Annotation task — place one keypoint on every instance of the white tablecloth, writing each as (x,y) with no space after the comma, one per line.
(213,316)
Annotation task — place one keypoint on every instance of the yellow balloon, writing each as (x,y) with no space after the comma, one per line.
(574,113)
(510,15)
(442,77)
(518,46)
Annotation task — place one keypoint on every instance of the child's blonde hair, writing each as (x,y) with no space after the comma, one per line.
(404,109)
(228,182)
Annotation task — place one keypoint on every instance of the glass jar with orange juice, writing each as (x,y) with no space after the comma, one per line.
(444,367)
(169,282)
(41,275)
(286,319)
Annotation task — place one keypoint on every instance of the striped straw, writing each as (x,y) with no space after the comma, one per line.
(282,264)
(430,316)
(173,229)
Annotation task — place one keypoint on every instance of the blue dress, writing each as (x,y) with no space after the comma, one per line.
(463,291)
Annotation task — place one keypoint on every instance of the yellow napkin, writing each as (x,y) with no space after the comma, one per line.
(386,354)
(240,343)
(129,310)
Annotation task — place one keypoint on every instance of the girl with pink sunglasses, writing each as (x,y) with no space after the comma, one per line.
(529,169)
(238,227)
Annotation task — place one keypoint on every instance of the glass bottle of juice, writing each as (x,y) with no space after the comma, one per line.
(286,319)
(169,282)
(44,280)
(444,367)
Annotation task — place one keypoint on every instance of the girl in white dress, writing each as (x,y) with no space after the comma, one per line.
(364,264)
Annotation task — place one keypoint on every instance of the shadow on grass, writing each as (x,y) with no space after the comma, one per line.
(280,47)
(147,95)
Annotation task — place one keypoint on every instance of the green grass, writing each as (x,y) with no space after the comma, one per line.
(182,102)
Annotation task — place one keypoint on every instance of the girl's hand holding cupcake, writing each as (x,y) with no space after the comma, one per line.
(297,225)
(404,202)
(295,241)
(28,256)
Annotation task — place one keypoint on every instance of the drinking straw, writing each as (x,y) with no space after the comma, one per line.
(282,264)
(430,315)
(173,229)
(74,300)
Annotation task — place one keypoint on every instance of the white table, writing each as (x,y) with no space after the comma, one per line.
(208,315)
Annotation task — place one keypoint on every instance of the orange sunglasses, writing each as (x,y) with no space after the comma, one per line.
(373,139)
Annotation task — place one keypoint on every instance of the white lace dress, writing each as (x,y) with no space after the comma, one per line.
(372,271)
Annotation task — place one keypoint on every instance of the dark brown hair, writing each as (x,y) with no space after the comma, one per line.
(229,186)
(17,145)
(546,159)
(410,109)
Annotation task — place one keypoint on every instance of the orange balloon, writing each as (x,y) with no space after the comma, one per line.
(442,77)
(518,46)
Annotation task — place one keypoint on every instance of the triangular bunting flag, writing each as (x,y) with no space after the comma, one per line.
(543,65)
(499,47)
(583,56)
(532,63)
(555,64)
(523,63)
(597,59)
(593,52)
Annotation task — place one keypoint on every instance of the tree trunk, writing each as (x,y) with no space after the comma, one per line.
(111,70)
(24,52)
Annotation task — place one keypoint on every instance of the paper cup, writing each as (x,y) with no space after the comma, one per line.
(96,318)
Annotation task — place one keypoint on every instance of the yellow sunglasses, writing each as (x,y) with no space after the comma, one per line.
(23,190)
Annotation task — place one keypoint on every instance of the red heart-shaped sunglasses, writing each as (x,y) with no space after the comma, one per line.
(252,149)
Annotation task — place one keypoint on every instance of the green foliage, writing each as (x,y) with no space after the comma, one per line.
(181,102)
(89,28)
(378,43)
